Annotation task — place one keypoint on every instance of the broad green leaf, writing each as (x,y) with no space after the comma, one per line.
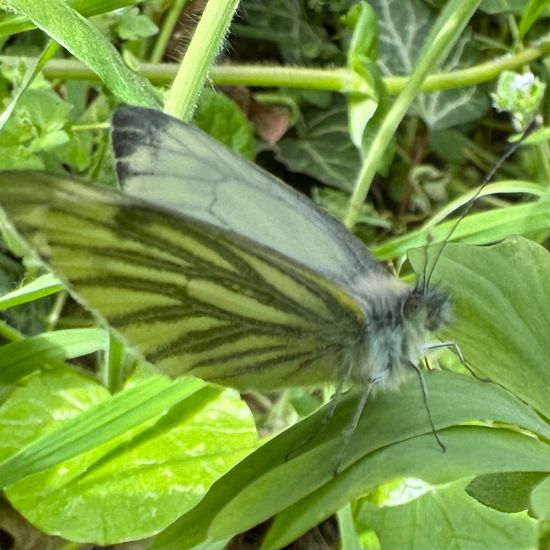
(45,285)
(86,42)
(446,517)
(100,424)
(477,449)
(506,492)
(135,482)
(300,480)
(19,359)
(540,500)
(501,296)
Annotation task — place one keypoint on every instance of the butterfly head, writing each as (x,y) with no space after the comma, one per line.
(427,308)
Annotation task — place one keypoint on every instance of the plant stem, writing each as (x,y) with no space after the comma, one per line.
(438,43)
(333,80)
(199,57)
(167,28)
(476,74)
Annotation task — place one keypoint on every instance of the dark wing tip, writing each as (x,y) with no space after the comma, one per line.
(131,129)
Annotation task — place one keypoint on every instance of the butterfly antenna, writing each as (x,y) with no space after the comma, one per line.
(510,151)
(425,268)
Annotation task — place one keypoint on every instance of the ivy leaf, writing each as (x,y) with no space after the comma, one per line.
(403,27)
(290,25)
(322,149)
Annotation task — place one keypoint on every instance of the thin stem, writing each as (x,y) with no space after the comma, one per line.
(476,74)
(9,333)
(206,43)
(169,23)
(445,33)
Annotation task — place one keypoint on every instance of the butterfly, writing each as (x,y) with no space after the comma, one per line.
(208,266)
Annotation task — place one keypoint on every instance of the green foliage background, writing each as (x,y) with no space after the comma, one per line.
(97,448)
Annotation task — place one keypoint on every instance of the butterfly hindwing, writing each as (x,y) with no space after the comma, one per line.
(191,297)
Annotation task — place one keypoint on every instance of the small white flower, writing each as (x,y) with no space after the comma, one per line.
(523,81)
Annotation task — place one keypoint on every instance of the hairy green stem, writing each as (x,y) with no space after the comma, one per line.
(334,80)
(200,55)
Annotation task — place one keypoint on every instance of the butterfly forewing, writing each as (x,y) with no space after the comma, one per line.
(191,297)
(180,167)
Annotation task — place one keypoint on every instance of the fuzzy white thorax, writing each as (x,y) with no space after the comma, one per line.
(398,321)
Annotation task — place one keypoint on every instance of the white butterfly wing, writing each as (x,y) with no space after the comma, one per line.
(163,160)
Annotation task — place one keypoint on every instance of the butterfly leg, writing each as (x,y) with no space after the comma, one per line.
(346,438)
(453,346)
(426,405)
(324,421)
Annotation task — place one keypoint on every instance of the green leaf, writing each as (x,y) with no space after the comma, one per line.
(402,30)
(506,492)
(133,25)
(501,296)
(96,426)
(86,42)
(19,359)
(337,203)
(45,285)
(36,129)
(323,149)
(530,14)
(288,24)
(540,500)
(392,439)
(446,517)
(138,467)
(503,6)
(346,526)
(482,228)
(12,23)
(50,50)
(220,117)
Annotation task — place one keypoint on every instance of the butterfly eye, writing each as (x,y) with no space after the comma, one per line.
(413,307)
